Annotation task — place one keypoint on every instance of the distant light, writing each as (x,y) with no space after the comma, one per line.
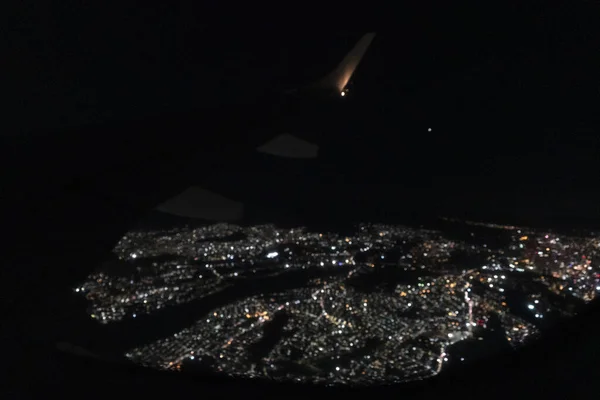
(445,358)
(342,94)
(338,368)
(134,315)
(77,290)
(272,254)
(536,301)
(428,129)
(531,306)
(462,359)
(450,335)
(191,357)
(235,274)
(133,255)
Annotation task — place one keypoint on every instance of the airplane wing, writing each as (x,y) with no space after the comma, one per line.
(169,182)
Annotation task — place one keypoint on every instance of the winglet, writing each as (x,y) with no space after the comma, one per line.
(339,77)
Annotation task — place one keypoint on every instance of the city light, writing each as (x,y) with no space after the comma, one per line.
(330,320)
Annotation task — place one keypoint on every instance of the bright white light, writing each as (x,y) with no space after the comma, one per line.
(133,255)
(342,94)
(134,315)
(338,368)
(192,357)
(235,274)
(272,254)
(503,277)
(77,290)
(536,301)
(450,335)
(428,129)
(530,306)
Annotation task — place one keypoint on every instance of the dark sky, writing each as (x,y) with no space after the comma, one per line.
(511,92)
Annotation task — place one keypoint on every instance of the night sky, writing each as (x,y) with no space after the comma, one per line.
(510,95)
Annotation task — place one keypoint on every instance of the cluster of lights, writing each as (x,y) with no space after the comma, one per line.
(329,318)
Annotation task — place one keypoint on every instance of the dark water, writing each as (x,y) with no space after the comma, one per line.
(272,334)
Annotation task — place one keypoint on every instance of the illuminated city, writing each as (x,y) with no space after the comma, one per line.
(385,304)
